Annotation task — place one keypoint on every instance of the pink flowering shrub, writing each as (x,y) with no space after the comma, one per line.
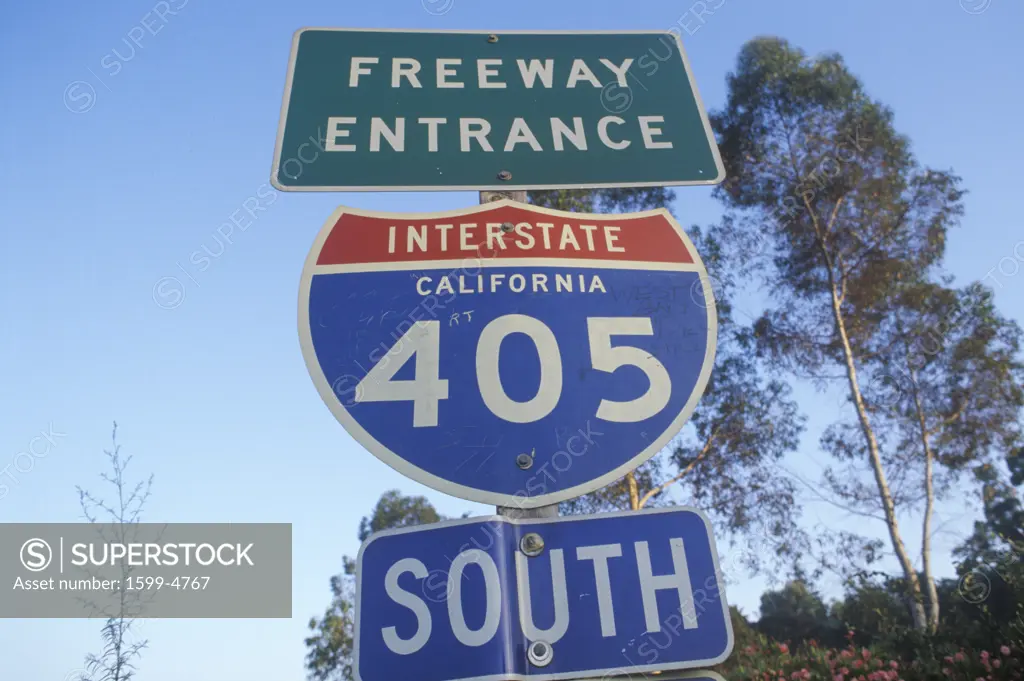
(767,660)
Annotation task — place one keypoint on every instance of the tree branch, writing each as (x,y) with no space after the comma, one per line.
(662,487)
(833,502)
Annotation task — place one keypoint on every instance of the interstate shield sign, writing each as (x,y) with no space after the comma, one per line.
(505,353)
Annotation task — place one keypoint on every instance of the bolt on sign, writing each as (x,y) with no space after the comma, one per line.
(413,110)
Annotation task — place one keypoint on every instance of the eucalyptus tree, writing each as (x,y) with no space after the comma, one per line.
(329,647)
(947,388)
(847,231)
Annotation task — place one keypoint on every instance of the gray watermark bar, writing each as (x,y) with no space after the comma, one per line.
(145,570)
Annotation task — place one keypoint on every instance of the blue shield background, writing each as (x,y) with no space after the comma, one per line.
(356,318)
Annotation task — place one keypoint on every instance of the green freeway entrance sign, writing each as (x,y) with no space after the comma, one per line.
(409,110)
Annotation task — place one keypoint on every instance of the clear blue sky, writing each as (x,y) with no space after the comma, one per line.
(213,396)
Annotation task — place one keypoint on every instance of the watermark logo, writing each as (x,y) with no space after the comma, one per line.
(36,555)
(705,284)
(102,570)
(437,7)
(168,293)
(349,389)
(975,6)
(24,461)
(616,98)
(437,588)
(79,97)
(974,587)
(1014,262)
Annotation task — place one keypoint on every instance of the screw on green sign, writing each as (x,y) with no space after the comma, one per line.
(407,110)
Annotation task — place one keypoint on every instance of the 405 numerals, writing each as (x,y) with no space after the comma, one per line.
(423,342)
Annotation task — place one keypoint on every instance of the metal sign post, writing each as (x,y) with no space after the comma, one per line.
(513,511)
(510,354)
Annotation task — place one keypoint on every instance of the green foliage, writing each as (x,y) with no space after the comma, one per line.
(869,634)
(796,615)
(329,646)
(393,510)
(832,191)
(952,362)
(988,597)
(874,612)
(614,200)
(744,633)
(1015,462)
(1002,530)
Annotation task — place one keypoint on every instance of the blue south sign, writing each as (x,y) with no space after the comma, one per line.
(508,354)
(613,595)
